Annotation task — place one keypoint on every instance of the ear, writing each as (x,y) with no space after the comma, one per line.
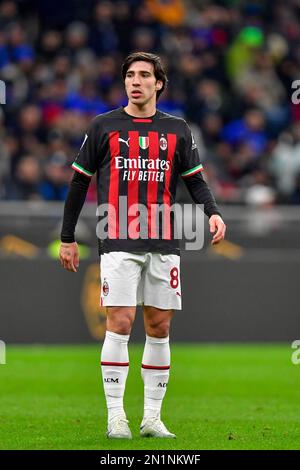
(159,85)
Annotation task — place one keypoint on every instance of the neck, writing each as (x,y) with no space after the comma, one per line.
(140,111)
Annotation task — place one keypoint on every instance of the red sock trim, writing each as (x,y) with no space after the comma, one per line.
(122,364)
(144,366)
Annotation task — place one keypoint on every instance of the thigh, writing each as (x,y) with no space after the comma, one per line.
(156,318)
(120,276)
(162,287)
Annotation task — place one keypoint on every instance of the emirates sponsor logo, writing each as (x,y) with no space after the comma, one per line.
(141,163)
(142,169)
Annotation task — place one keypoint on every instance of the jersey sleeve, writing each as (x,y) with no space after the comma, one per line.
(190,163)
(87,159)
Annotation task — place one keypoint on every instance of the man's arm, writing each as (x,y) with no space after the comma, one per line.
(190,168)
(68,254)
(201,194)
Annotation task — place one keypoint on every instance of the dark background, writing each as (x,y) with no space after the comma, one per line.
(247,290)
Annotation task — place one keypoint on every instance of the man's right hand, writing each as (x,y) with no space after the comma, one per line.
(69,256)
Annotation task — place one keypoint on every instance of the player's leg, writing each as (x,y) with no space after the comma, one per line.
(162,294)
(155,370)
(115,367)
(114,357)
(120,276)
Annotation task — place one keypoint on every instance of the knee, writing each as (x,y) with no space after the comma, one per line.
(158,329)
(120,323)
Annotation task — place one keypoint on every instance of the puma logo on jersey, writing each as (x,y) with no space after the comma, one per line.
(194,145)
(125,141)
(84,141)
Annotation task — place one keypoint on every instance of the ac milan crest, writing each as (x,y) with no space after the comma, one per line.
(163,143)
(105,288)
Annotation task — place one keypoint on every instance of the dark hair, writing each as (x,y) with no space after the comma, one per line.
(159,71)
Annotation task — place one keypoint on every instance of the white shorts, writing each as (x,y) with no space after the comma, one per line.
(130,279)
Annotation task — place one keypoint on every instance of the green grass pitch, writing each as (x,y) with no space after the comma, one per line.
(219,397)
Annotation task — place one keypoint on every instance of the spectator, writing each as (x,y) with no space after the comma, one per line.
(25,186)
(230,67)
(55,184)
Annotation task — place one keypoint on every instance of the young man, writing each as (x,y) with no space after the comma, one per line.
(138,153)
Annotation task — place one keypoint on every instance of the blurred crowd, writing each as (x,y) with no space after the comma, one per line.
(231,65)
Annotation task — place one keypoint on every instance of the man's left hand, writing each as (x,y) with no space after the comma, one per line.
(218,227)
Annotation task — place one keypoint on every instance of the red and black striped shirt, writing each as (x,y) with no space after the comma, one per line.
(138,162)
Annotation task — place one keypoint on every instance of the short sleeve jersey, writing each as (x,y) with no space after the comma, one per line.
(138,162)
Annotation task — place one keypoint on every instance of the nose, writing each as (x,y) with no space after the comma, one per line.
(136,80)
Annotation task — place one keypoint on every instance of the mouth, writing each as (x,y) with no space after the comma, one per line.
(136,93)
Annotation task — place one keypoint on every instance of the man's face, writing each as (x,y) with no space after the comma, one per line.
(140,83)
